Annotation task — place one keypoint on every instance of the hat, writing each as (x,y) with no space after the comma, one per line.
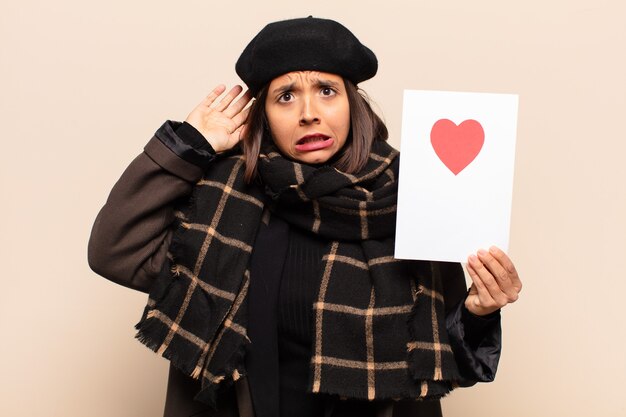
(304,44)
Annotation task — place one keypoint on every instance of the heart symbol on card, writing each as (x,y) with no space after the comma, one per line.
(457,146)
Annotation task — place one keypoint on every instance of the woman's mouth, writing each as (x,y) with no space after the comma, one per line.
(313,143)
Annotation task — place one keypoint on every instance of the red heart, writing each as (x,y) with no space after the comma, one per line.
(457,146)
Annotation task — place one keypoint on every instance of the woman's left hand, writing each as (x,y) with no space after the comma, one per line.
(495,281)
(222,124)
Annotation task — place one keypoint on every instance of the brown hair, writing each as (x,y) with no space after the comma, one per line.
(365,127)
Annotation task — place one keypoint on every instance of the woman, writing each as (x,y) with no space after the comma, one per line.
(264,236)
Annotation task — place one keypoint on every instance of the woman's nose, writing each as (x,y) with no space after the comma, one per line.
(309,112)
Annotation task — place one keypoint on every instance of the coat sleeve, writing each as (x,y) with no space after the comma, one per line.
(131,234)
(476,341)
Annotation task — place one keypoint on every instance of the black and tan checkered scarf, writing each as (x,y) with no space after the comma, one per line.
(379,322)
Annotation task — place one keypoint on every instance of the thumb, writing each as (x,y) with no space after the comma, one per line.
(238,135)
(473,290)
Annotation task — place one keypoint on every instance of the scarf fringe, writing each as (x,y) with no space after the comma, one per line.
(145,330)
(449,377)
(393,393)
(233,371)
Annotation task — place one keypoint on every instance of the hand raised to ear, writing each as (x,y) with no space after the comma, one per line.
(221,124)
(496,282)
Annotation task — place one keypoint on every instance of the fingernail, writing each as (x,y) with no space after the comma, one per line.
(473,258)
(482,252)
(493,250)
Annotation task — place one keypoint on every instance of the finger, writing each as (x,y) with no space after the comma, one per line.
(217,91)
(238,105)
(244,131)
(488,281)
(507,264)
(472,290)
(225,102)
(238,134)
(484,300)
(241,118)
(500,273)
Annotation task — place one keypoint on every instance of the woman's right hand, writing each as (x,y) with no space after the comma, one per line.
(221,125)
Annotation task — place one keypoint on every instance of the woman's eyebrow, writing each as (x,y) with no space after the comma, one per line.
(283,88)
(320,82)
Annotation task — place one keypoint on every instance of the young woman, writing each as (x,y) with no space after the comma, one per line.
(265,235)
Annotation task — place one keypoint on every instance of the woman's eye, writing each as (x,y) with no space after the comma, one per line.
(327,91)
(285,97)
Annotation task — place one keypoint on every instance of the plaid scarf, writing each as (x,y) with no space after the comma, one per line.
(379,322)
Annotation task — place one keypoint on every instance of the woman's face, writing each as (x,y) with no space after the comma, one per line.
(308,114)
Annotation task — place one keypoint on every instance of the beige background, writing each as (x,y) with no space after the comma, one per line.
(83,85)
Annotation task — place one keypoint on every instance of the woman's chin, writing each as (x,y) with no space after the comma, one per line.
(313,158)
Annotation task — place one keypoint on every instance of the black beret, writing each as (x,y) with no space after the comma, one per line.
(304,44)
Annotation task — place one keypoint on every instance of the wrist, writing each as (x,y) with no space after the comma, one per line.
(194,138)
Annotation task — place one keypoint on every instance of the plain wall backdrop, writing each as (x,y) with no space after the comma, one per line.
(84,84)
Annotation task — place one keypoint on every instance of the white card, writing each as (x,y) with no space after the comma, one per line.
(456,174)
